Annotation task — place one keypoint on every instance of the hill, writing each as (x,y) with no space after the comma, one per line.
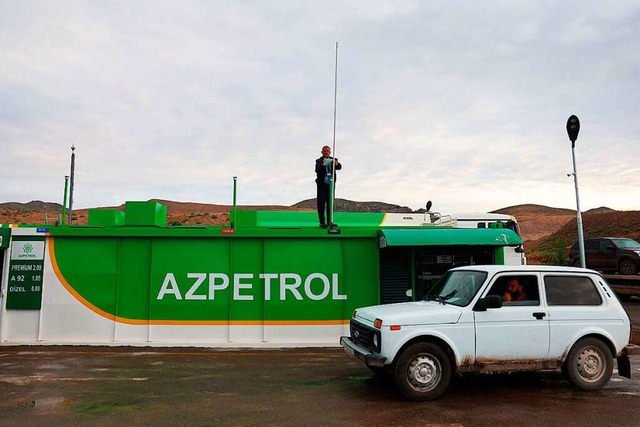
(537,222)
(343,205)
(180,213)
(33,206)
(535,210)
(553,247)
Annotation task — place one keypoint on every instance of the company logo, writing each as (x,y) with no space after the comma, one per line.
(28,250)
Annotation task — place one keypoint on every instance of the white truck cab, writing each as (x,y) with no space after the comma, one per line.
(497,318)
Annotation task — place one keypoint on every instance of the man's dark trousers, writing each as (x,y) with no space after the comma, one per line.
(323,202)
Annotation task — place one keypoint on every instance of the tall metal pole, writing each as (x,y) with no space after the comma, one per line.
(573,128)
(332,185)
(64,201)
(233,210)
(73,163)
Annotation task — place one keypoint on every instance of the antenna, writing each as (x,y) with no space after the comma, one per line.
(332,191)
(335,104)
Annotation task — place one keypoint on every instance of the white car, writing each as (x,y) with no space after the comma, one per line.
(497,319)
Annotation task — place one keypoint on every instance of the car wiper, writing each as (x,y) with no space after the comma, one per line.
(441,299)
(435,298)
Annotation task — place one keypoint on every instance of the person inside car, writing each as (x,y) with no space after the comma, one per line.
(514,291)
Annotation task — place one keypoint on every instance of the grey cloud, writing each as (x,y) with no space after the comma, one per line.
(454,101)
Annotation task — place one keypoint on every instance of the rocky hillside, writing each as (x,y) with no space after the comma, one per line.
(552,248)
(33,206)
(180,213)
(343,205)
(545,230)
(537,221)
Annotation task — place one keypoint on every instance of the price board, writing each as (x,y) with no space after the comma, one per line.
(26,268)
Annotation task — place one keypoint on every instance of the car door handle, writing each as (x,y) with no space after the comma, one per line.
(539,315)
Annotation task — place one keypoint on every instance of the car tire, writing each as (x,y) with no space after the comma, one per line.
(589,364)
(627,267)
(422,372)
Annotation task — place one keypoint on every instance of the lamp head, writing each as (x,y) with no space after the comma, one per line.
(573,128)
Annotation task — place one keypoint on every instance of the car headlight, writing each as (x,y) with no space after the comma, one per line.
(375,340)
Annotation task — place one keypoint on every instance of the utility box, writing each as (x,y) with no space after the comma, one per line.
(105,217)
(145,214)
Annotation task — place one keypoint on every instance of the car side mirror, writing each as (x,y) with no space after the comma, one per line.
(490,301)
(610,248)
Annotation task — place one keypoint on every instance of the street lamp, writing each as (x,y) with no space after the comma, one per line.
(573,128)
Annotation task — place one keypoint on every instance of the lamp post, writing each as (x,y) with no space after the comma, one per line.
(573,128)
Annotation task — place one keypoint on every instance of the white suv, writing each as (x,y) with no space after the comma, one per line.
(497,319)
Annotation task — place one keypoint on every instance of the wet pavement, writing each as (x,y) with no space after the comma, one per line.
(105,386)
(61,386)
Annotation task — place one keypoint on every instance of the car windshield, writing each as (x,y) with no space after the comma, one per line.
(626,243)
(457,287)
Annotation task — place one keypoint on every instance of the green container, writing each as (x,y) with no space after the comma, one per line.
(145,214)
(105,217)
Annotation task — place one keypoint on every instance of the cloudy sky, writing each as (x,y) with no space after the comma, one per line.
(463,103)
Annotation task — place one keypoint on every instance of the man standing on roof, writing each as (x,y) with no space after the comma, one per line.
(324,175)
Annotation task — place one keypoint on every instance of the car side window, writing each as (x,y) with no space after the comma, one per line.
(516,290)
(592,245)
(606,245)
(571,290)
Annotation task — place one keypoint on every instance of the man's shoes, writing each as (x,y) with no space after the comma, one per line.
(323,225)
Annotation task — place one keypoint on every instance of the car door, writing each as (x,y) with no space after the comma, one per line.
(519,330)
(609,255)
(592,254)
(574,302)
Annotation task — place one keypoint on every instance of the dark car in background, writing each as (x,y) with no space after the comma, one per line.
(608,254)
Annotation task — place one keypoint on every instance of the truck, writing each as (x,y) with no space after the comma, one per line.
(618,258)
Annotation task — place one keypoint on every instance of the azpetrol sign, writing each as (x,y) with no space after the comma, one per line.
(283,286)
(195,280)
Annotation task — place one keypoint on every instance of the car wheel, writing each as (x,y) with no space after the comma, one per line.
(422,372)
(589,365)
(627,267)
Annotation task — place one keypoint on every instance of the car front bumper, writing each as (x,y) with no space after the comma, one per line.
(354,350)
